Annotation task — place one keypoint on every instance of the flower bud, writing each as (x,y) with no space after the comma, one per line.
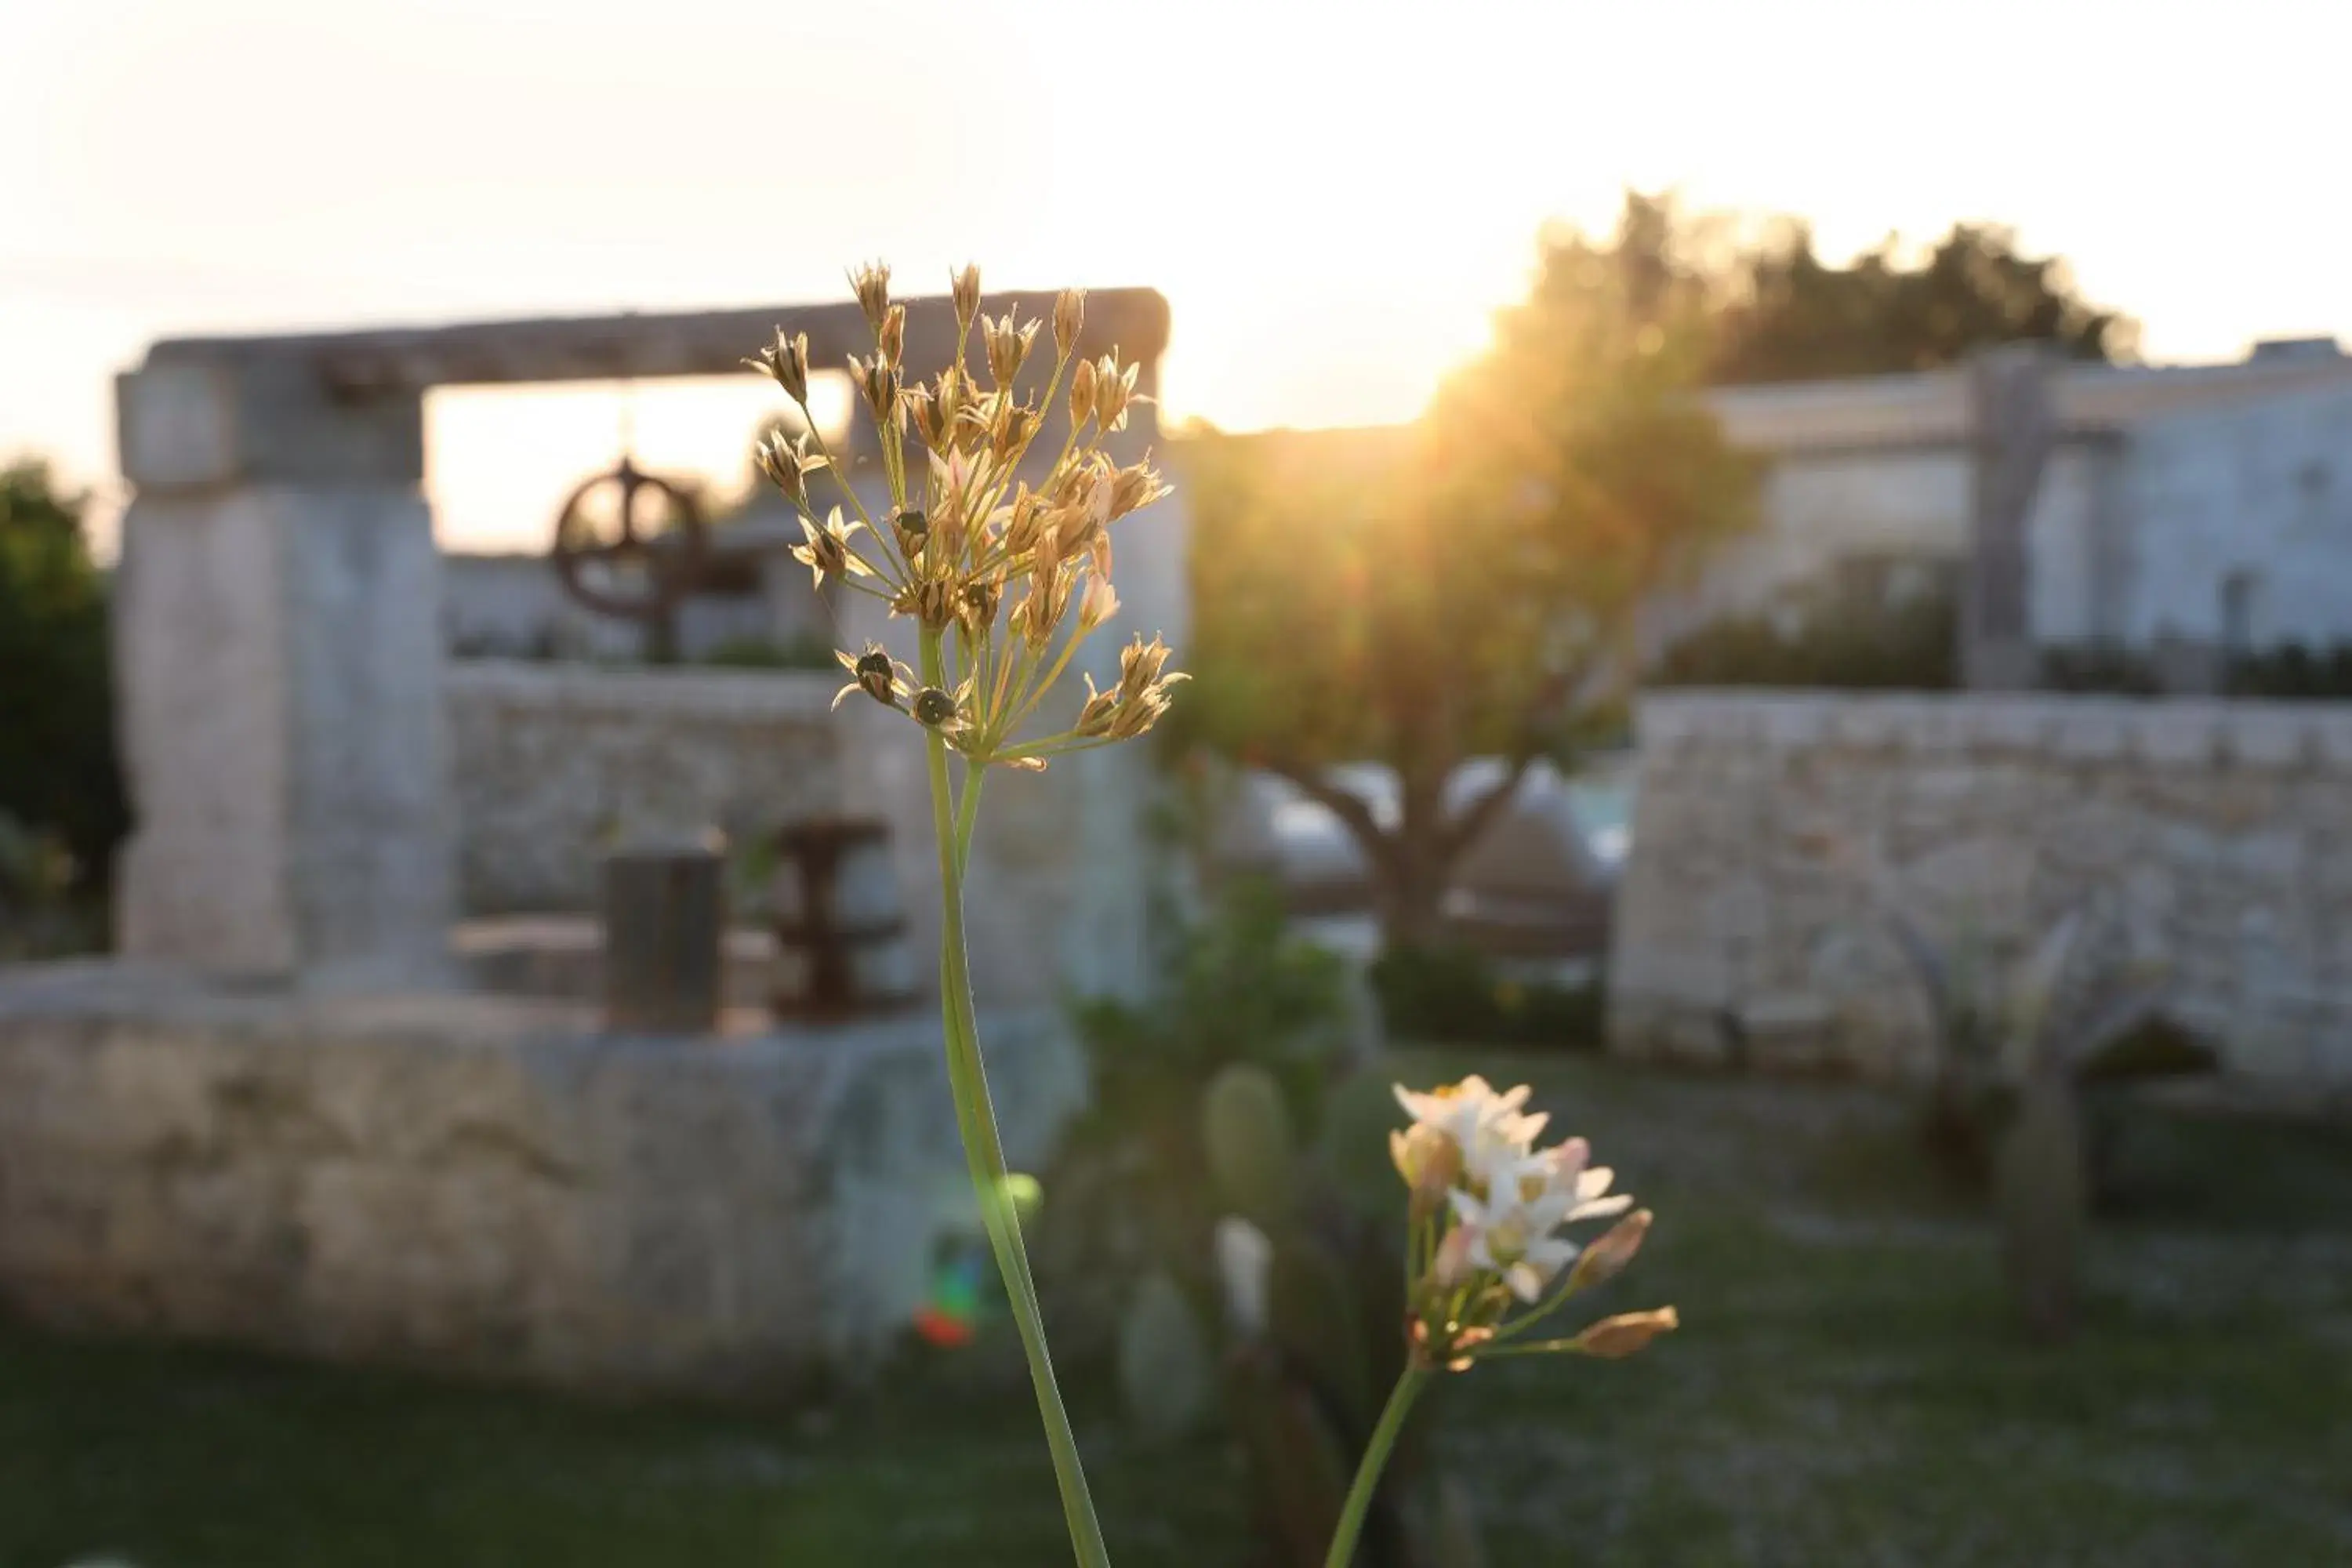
(1069,315)
(1607,1256)
(1082,395)
(1430,1161)
(891,336)
(1098,605)
(965,289)
(1614,1339)
(872,284)
(1451,1268)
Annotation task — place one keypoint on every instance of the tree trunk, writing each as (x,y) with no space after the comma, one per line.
(1410,879)
(1412,862)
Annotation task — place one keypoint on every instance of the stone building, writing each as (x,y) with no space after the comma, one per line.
(2182,513)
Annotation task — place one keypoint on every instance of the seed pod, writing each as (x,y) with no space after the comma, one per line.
(933,707)
(876,676)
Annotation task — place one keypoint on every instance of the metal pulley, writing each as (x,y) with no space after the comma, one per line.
(638,558)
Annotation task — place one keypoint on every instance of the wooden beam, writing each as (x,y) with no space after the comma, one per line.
(363,365)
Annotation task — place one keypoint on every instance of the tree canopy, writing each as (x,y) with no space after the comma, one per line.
(1789,316)
(57,767)
(1461,587)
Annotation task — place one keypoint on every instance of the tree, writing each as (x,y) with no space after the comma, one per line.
(59,773)
(1787,316)
(1461,587)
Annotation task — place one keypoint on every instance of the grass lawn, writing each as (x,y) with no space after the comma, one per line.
(1845,1390)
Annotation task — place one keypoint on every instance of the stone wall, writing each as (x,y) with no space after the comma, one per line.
(552,761)
(487,1186)
(2212,839)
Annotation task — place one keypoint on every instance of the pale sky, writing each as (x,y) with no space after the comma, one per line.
(1334,199)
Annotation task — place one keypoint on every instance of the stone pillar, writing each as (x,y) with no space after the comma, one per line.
(278,638)
(1119,865)
(2013,429)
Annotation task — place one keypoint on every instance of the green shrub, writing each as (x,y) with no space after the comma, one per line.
(1454,993)
(807,652)
(1912,644)
(1127,1192)
(2293,671)
(59,777)
(2096,667)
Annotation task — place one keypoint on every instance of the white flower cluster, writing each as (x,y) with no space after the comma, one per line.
(1488,1206)
(1508,1197)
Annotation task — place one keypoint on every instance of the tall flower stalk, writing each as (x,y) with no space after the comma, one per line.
(1484,1264)
(1004,567)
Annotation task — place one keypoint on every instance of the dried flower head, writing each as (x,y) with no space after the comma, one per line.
(827,552)
(877,674)
(871,283)
(1114,390)
(985,541)
(787,465)
(922,413)
(787,359)
(1008,344)
(879,380)
(964,288)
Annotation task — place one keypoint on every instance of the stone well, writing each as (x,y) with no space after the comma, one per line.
(486,1185)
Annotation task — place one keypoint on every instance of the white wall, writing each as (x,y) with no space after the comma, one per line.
(2263,488)
(514,606)
(2132,536)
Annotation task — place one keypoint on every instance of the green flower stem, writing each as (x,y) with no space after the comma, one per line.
(984,1149)
(1376,1459)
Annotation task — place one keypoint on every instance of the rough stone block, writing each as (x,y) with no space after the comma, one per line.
(2186,821)
(490,1186)
(2266,737)
(2178,735)
(176,426)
